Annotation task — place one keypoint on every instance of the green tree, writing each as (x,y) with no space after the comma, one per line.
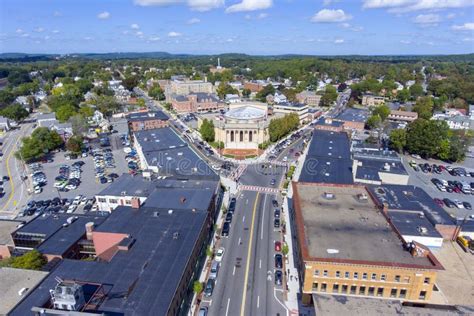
(416,90)
(41,141)
(64,112)
(156,92)
(262,94)
(329,96)
(403,95)
(14,112)
(424,107)
(207,130)
(285,249)
(130,82)
(74,144)
(141,103)
(425,137)
(79,124)
(246,92)
(32,260)
(383,111)
(86,111)
(398,140)
(224,88)
(374,121)
(197,287)
(280,127)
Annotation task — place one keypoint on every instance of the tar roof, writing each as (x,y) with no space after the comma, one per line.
(329,305)
(411,198)
(150,115)
(13,280)
(354,115)
(128,185)
(142,280)
(159,139)
(180,199)
(345,226)
(325,122)
(6,228)
(369,169)
(413,224)
(330,145)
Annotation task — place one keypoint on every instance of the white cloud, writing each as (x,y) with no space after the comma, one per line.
(464,27)
(229,40)
(57,14)
(134,26)
(198,5)
(194,21)
(248,17)
(19,31)
(88,38)
(103,15)
(414,5)
(174,34)
(427,19)
(262,16)
(345,25)
(468,39)
(39,30)
(250,5)
(330,16)
(329,2)
(405,42)
(47,37)
(451,16)
(55,31)
(25,35)
(339,41)
(154,38)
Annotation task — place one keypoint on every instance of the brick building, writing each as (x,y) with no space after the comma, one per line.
(309,98)
(140,121)
(347,247)
(195,102)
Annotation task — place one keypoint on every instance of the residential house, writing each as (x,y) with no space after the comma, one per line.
(309,98)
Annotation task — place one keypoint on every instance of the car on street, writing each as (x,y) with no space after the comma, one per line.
(228,217)
(203,311)
(278,261)
(449,203)
(277,246)
(467,205)
(458,204)
(232,203)
(219,254)
(276,213)
(225,229)
(276,223)
(209,287)
(214,269)
(439,202)
(275,203)
(272,182)
(278,277)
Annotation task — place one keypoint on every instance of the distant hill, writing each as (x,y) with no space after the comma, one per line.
(164,55)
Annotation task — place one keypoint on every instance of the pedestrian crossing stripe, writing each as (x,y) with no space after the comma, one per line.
(257,189)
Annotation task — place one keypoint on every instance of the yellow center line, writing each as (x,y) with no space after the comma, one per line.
(242,307)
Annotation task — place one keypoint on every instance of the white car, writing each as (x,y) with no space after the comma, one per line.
(38,190)
(219,254)
(458,204)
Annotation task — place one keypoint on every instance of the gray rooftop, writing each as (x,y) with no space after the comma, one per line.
(353,115)
(145,116)
(46,116)
(411,198)
(354,228)
(369,169)
(13,280)
(6,228)
(159,139)
(142,280)
(411,224)
(329,305)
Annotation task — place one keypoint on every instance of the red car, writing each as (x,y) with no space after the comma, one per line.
(457,190)
(439,202)
(277,246)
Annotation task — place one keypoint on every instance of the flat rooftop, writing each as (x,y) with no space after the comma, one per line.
(344,227)
(368,169)
(353,115)
(142,280)
(6,228)
(159,139)
(330,145)
(411,198)
(329,305)
(13,280)
(145,116)
(410,224)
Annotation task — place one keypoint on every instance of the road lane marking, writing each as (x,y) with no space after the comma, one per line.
(233,272)
(227,309)
(276,298)
(12,191)
(258,301)
(242,307)
(260,264)
(263,216)
(239,241)
(243,219)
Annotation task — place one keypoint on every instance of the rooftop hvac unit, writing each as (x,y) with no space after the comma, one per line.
(386,167)
(329,196)
(422,229)
(68,295)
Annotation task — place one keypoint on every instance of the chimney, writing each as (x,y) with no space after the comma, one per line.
(182,200)
(135,202)
(385,208)
(89,230)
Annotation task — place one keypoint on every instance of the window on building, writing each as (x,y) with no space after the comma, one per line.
(371,291)
(113,201)
(101,200)
(380,291)
(316,272)
(128,202)
(353,289)
(338,274)
(397,278)
(403,293)
(374,276)
(315,286)
(325,273)
(344,289)
(422,295)
(232,136)
(383,277)
(393,293)
(250,136)
(427,281)
(347,275)
(323,287)
(362,290)
(241,136)
(406,279)
(356,275)
(364,276)
(335,288)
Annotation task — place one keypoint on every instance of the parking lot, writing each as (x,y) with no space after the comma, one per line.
(424,180)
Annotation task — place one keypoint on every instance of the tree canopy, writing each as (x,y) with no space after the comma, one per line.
(41,141)
(207,130)
(14,112)
(280,127)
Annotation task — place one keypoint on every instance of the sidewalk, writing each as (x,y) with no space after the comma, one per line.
(292,280)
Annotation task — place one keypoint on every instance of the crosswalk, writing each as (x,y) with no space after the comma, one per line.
(237,173)
(258,189)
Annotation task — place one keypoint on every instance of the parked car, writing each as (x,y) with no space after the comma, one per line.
(219,254)
(225,229)
(277,246)
(276,223)
(278,277)
(228,217)
(203,311)
(449,203)
(467,205)
(278,261)
(275,203)
(439,202)
(209,287)
(214,269)
(458,204)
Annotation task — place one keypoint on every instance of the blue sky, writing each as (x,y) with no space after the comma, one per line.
(319,27)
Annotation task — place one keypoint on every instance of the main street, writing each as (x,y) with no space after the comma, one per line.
(15,189)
